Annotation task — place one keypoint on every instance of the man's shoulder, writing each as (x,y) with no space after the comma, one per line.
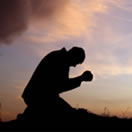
(58,52)
(62,50)
(56,55)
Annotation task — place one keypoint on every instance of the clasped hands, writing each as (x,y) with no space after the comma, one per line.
(87,76)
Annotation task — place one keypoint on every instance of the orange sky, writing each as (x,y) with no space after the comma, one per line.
(102,28)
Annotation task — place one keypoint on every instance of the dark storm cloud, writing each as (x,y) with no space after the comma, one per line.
(15,15)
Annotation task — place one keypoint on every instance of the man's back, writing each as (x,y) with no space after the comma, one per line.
(47,77)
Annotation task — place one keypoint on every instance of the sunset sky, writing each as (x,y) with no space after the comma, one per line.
(30,29)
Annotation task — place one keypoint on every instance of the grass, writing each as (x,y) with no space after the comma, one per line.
(82,121)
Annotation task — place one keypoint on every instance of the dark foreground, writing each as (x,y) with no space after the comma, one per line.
(80,120)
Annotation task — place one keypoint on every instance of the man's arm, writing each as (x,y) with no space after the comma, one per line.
(72,83)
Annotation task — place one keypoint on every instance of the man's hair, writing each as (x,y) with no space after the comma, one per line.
(77,53)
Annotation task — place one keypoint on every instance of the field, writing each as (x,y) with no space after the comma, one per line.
(82,121)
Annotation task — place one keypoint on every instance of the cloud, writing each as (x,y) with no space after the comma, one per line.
(70,23)
(106,39)
(55,20)
(108,46)
(50,21)
(17,15)
(125,5)
(111,55)
(76,20)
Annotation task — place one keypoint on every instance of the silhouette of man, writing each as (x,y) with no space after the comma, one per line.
(51,77)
